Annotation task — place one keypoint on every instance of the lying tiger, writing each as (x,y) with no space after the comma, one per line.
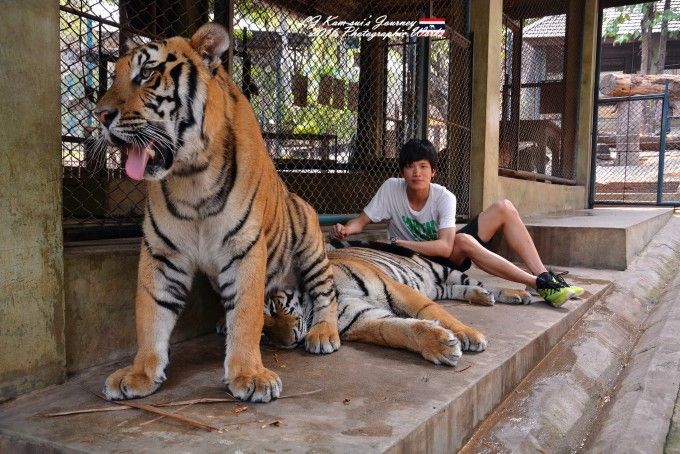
(385,297)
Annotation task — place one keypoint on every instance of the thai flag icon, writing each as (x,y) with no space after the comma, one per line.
(431,26)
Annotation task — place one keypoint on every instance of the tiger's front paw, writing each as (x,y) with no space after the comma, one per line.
(322,338)
(127,384)
(440,346)
(472,340)
(261,386)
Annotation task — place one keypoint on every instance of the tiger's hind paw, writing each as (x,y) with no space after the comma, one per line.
(512,296)
(322,338)
(481,296)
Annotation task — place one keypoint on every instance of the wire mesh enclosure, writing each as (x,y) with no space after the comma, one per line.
(637,152)
(337,88)
(538,90)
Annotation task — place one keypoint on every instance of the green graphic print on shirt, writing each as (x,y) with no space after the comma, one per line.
(421,232)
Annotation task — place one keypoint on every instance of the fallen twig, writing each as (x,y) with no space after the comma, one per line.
(124,405)
(464,368)
(163,416)
(86,410)
(167,414)
(158,411)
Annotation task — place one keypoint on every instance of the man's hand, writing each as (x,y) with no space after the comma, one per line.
(339,232)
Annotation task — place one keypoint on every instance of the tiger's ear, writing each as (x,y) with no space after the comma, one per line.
(211,41)
(128,46)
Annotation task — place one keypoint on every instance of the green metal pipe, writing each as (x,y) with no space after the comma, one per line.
(330,219)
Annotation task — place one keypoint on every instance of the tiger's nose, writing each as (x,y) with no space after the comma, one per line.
(106,116)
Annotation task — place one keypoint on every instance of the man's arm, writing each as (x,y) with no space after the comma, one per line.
(441,247)
(356,225)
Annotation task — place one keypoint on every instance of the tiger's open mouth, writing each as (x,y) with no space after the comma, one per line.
(146,158)
(137,160)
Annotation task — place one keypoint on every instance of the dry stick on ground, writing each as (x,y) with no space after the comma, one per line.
(124,405)
(163,416)
(167,414)
(464,368)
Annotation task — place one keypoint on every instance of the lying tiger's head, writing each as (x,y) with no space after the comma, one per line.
(155,107)
(284,321)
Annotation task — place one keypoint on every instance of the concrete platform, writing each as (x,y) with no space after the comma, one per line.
(602,238)
(371,399)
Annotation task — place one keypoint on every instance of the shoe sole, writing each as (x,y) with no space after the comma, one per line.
(568,296)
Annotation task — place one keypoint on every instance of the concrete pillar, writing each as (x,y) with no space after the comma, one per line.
(487,16)
(31,245)
(586,103)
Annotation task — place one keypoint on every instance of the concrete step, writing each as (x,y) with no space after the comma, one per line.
(610,385)
(371,399)
(601,238)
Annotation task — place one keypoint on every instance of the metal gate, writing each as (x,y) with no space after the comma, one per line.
(636,155)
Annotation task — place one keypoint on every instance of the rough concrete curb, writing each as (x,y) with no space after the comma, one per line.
(613,377)
(644,401)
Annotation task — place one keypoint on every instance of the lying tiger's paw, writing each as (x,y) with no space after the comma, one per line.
(439,345)
(512,296)
(261,386)
(126,384)
(472,340)
(322,338)
(481,296)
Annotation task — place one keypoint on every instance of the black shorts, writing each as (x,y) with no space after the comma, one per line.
(472,229)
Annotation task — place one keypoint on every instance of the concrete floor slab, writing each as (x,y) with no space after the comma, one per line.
(372,399)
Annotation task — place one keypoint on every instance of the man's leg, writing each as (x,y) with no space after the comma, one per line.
(503,216)
(465,246)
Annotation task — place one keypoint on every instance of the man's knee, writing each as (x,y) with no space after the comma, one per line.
(505,208)
(465,243)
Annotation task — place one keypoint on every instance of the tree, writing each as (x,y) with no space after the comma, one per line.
(653,53)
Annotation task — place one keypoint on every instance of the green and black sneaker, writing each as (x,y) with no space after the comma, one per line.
(552,290)
(578,291)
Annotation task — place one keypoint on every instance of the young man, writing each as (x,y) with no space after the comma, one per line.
(422,217)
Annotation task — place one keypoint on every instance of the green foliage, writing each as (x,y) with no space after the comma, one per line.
(611,27)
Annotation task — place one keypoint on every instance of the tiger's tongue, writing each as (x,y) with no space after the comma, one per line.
(136,162)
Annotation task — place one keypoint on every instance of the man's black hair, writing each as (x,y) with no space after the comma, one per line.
(416,150)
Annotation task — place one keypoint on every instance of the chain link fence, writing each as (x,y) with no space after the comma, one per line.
(534,138)
(638,151)
(336,87)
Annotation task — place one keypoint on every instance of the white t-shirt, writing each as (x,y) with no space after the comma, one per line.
(390,203)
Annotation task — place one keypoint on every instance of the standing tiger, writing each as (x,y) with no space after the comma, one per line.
(216,204)
(385,295)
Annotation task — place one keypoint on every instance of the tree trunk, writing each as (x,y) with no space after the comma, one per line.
(663,38)
(646,45)
(636,84)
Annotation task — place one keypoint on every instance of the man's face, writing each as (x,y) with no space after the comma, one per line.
(418,174)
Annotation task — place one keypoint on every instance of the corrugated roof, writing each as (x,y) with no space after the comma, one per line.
(546,27)
(554,26)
